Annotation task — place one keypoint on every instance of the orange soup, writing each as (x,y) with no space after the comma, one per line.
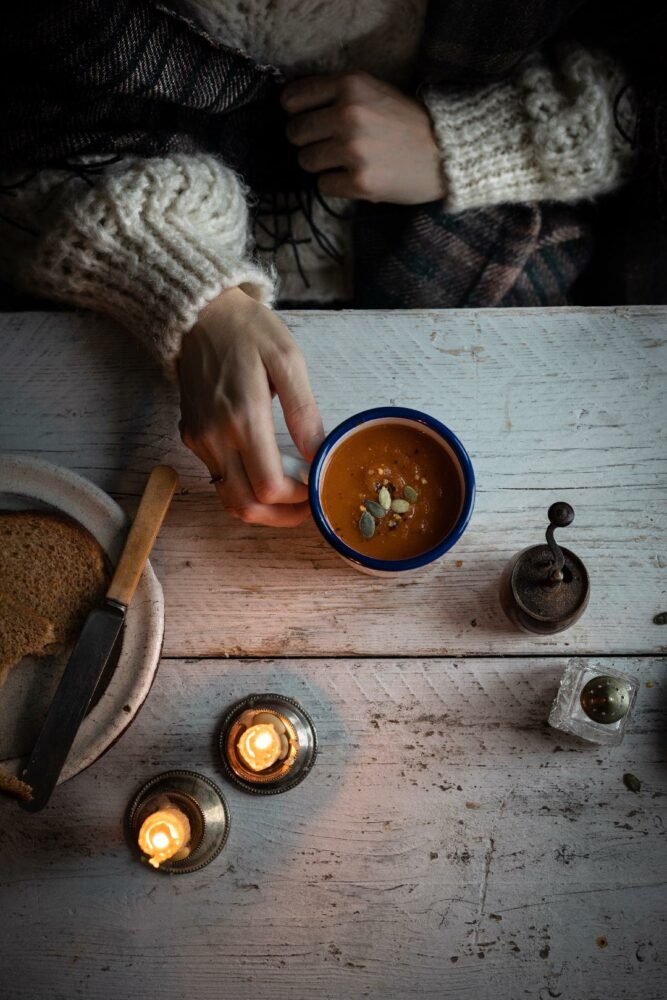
(391,491)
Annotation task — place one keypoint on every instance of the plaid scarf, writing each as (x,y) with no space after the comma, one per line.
(131,76)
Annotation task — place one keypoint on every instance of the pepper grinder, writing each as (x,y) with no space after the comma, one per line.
(545,588)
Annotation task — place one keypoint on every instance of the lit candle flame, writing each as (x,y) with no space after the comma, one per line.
(163,834)
(260,746)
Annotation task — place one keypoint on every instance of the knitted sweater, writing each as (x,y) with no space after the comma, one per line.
(150,242)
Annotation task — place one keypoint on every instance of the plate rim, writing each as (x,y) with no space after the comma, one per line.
(148,603)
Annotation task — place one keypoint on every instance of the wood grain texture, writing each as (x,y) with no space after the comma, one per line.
(446,844)
(144,529)
(552,404)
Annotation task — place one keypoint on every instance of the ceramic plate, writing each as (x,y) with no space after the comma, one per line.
(30,483)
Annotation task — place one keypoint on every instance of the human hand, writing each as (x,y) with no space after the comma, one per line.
(237,356)
(364,138)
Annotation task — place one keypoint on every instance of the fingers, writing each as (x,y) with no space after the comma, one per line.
(313,126)
(239,500)
(245,425)
(234,361)
(345,184)
(261,461)
(325,156)
(289,376)
(337,139)
(318,91)
(238,493)
(309,92)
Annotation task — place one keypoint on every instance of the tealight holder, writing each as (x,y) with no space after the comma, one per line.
(267,743)
(202,803)
(594,703)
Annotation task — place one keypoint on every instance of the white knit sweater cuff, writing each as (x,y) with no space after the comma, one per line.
(548,133)
(150,244)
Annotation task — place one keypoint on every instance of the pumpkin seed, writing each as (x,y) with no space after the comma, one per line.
(400,506)
(376,509)
(410,494)
(632,782)
(366,525)
(384,496)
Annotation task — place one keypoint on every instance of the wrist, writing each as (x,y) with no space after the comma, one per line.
(228,298)
(215,313)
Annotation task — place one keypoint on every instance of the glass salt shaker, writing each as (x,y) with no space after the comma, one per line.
(594,703)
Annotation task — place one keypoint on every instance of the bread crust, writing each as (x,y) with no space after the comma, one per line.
(12,785)
(57,516)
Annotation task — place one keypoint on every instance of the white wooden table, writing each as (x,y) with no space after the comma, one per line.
(447,842)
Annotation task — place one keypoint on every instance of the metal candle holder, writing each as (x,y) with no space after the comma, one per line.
(202,802)
(284,774)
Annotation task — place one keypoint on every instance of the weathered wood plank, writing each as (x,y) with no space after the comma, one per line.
(447,843)
(556,403)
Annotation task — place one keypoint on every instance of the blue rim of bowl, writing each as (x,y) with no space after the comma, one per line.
(392,565)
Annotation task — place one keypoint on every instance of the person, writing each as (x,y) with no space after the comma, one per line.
(178,249)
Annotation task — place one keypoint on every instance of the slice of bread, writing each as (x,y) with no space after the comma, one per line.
(52,565)
(14,786)
(23,632)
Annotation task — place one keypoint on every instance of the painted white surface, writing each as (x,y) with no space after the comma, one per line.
(442,821)
(551,404)
(541,875)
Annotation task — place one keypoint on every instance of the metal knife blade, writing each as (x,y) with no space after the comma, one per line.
(71,700)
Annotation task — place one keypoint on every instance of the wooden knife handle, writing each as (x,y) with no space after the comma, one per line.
(153,506)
